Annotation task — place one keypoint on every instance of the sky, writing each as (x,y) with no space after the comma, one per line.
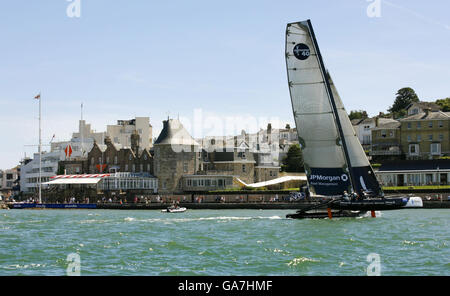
(221,59)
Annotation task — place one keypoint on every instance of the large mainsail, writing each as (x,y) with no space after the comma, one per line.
(333,156)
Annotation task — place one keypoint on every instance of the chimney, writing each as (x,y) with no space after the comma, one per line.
(107,140)
(377,121)
(135,142)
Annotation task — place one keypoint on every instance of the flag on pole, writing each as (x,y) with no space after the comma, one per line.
(38,97)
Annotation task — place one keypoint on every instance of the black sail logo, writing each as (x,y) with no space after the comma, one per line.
(301,51)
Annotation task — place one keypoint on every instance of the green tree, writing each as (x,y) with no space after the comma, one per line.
(293,162)
(444,104)
(404,97)
(358,114)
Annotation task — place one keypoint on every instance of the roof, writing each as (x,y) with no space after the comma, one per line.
(428,116)
(173,133)
(415,165)
(388,124)
(356,121)
(425,105)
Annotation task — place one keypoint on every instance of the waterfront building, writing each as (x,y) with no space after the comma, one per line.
(9,180)
(110,158)
(415,172)
(176,154)
(80,143)
(426,135)
(97,187)
(386,141)
(29,173)
(420,107)
(363,128)
(121,132)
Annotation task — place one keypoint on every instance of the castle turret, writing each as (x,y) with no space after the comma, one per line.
(176,154)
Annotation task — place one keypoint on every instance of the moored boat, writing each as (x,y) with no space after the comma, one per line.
(174,210)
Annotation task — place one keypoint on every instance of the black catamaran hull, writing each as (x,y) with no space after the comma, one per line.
(371,204)
(343,208)
(322,214)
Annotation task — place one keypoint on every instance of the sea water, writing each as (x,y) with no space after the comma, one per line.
(222,242)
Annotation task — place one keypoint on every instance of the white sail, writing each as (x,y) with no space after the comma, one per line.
(333,156)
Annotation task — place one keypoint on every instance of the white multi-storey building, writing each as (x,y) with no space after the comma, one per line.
(121,133)
(81,142)
(29,173)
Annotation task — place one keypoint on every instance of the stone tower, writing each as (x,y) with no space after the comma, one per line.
(175,154)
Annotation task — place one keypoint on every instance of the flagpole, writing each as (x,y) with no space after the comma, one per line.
(40,151)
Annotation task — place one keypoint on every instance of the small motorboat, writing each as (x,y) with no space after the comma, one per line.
(174,210)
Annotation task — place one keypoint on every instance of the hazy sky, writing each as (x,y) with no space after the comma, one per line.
(226,58)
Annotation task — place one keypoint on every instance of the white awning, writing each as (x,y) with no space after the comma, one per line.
(74,181)
(273,182)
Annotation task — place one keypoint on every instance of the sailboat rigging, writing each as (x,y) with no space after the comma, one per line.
(335,162)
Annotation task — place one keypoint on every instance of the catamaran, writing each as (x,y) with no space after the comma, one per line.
(335,163)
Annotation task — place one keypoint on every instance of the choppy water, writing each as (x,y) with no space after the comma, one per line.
(221,242)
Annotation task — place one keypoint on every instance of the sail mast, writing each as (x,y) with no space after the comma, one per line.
(40,151)
(333,105)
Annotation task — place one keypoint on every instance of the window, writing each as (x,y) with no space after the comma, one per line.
(419,138)
(435,148)
(115,159)
(441,137)
(130,157)
(409,138)
(243,168)
(419,125)
(145,156)
(413,149)
(141,167)
(126,168)
(430,124)
(366,139)
(99,160)
(441,124)
(430,137)
(107,159)
(409,124)
(185,167)
(148,167)
(383,134)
